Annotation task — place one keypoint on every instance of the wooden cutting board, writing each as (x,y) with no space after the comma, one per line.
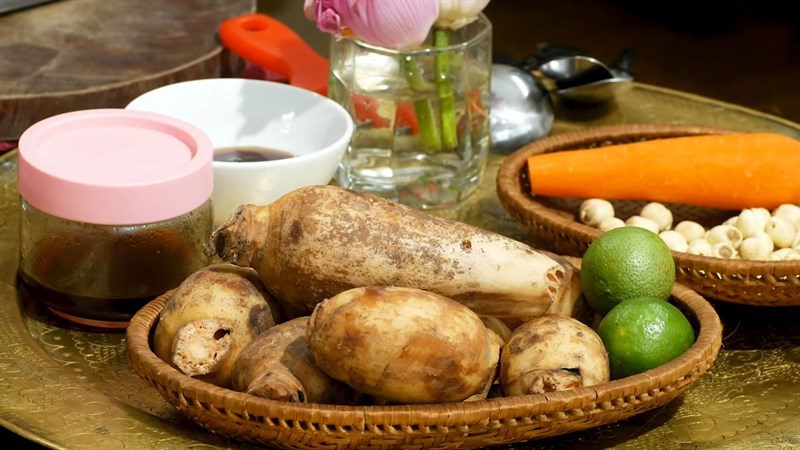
(79,54)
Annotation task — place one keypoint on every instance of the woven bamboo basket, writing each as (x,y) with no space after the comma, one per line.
(454,425)
(553,219)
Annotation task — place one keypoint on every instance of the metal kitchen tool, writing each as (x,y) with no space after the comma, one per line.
(584,79)
(521,108)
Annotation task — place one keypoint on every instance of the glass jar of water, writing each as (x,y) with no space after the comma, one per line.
(422,116)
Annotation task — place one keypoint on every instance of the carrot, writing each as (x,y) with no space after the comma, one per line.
(732,171)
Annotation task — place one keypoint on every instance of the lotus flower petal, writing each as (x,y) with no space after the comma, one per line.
(398,24)
(457,13)
(310,9)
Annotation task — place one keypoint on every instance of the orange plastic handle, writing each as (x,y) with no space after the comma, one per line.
(272,45)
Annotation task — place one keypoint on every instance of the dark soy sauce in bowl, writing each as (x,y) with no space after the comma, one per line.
(249,154)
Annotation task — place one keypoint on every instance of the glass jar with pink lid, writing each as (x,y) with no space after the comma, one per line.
(115,210)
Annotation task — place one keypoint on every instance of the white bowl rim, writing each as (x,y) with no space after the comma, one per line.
(340,142)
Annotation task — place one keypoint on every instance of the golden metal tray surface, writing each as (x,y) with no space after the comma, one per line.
(67,387)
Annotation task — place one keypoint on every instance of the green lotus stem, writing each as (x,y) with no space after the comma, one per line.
(428,131)
(414,76)
(441,67)
(426,118)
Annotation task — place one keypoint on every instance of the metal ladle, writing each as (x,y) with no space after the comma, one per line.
(586,80)
(521,107)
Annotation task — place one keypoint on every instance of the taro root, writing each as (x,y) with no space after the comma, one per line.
(278,365)
(210,318)
(500,331)
(403,345)
(552,353)
(484,393)
(318,241)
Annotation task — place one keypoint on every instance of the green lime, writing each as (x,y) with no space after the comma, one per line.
(643,333)
(624,263)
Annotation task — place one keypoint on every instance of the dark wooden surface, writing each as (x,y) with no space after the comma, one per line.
(743,51)
(78,54)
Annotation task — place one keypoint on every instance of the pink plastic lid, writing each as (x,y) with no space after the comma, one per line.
(115,167)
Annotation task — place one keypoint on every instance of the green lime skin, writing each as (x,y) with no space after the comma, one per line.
(643,333)
(623,263)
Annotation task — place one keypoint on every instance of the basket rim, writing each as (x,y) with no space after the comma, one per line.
(705,349)
(510,191)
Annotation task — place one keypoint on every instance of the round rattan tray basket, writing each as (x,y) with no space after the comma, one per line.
(553,219)
(455,425)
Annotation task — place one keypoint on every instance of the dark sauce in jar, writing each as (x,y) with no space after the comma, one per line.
(89,311)
(115,209)
(100,275)
(249,154)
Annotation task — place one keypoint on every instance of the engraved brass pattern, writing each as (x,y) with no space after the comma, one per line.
(68,387)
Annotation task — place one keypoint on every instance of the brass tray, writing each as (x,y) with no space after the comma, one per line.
(67,387)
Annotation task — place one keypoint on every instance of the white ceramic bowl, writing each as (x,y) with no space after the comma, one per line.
(252,113)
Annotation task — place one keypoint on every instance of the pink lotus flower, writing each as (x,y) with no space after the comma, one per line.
(323,12)
(388,23)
